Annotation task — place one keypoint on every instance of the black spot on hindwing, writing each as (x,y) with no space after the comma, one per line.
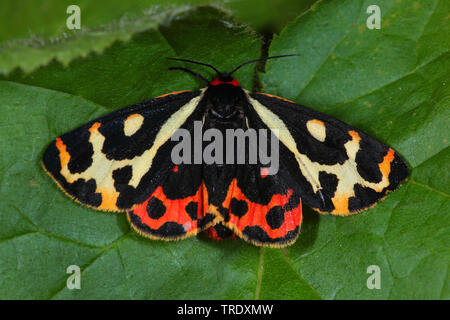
(191,209)
(155,208)
(201,223)
(238,207)
(169,230)
(222,231)
(258,235)
(275,217)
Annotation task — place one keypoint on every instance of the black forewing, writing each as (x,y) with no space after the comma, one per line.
(95,163)
(327,159)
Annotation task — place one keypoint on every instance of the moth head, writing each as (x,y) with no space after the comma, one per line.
(224,95)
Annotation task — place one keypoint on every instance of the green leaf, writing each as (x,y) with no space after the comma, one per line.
(34,33)
(398,93)
(393,84)
(136,70)
(268,16)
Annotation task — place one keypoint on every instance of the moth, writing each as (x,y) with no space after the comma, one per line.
(122,162)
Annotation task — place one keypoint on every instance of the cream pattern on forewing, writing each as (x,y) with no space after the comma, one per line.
(346,173)
(132,124)
(102,168)
(317,129)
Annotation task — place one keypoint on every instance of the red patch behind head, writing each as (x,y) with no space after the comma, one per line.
(216,82)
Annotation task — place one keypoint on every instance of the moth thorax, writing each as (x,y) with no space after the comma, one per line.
(225,101)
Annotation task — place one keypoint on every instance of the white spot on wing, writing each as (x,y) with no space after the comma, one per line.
(316,128)
(132,124)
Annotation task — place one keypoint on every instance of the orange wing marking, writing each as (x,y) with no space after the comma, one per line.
(175,210)
(64,156)
(256,214)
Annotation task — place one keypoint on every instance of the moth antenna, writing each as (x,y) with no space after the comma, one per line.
(262,59)
(196,62)
(198,75)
